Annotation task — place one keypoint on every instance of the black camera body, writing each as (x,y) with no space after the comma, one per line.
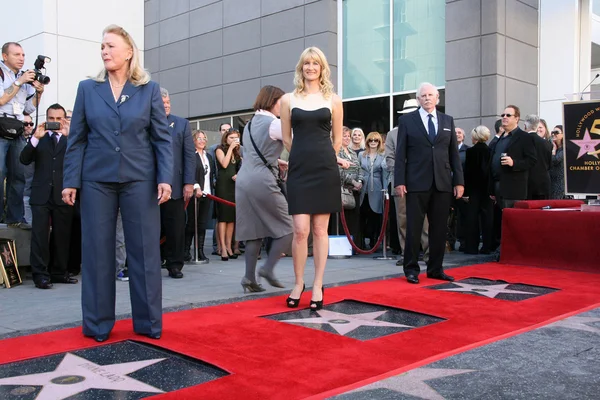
(39,63)
(52,126)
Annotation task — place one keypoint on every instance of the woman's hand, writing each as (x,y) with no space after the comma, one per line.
(357,185)
(164,192)
(233,178)
(283,165)
(68,196)
(345,164)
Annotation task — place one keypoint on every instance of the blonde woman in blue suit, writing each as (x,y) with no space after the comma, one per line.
(119,155)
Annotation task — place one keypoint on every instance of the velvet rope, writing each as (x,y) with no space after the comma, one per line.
(386,210)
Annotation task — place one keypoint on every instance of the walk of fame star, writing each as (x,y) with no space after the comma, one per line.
(490,291)
(586,145)
(75,374)
(7,255)
(346,323)
(578,323)
(412,383)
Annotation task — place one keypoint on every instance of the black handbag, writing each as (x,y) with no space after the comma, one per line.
(275,171)
(10,127)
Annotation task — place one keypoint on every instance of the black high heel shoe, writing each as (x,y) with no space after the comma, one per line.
(270,278)
(232,255)
(318,305)
(224,258)
(293,303)
(250,286)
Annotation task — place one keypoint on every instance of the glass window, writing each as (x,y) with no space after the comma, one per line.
(366,47)
(419,43)
(368,114)
(596,7)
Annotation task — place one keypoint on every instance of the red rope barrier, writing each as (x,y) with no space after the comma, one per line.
(386,210)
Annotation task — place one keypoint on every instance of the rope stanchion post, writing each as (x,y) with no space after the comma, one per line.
(386,199)
(196,228)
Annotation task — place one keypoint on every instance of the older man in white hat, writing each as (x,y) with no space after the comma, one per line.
(400,202)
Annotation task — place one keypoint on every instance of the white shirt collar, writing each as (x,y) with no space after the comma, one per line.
(424,113)
(265,112)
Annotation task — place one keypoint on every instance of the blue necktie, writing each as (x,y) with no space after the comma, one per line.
(431,128)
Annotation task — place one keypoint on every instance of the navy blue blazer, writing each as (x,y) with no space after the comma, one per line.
(118,142)
(419,161)
(184,155)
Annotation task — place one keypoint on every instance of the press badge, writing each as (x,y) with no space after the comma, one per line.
(18,108)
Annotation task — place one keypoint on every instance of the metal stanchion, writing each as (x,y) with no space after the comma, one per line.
(196,260)
(386,197)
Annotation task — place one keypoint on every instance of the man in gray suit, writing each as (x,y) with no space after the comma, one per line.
(400,202)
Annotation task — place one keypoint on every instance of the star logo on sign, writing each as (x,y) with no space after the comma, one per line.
(578,323)
(413,383)
(75,374)
(346,323)
(490,291)
(586,145)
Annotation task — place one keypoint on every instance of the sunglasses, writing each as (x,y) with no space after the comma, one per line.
(373,140)
(28,123)
(556,132)
(507,115)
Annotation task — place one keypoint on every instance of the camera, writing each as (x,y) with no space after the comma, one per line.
(39,63)
(52,126)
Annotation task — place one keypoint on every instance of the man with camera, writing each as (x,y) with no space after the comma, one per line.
(47,149)
(20,91)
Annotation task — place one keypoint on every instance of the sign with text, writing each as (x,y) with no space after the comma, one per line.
(582,147)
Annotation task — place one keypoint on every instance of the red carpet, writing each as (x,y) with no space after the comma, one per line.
(274,360)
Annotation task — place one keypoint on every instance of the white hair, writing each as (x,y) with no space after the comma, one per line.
(164,92)
(426,85)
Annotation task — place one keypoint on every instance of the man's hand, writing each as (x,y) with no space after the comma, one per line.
(507,160)
(199,193)
(188,192)
(38,87)
(164,192)
(400,190)
(68,196)
(40,131)
(458,191)
(65,125)
(493,198)
(27,77)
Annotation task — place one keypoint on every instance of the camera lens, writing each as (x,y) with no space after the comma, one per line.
(43,79)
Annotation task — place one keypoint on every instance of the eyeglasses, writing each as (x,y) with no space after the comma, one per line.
(507,115)
(230,130)
(556,132)
(373,140)
(201,139)
(28,123)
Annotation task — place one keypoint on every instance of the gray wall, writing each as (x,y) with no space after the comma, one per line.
(214,56)
(491,59)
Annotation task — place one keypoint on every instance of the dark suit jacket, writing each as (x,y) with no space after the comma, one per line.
(462,153)
(48,175)
(539,175)
(418,160)
(200,171)
(477,162)
(184,161)
(118,142)
(513,180)
(493,143)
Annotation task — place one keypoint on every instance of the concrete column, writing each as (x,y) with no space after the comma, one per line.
(491,59)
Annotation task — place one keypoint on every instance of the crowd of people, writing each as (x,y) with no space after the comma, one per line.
(126,171)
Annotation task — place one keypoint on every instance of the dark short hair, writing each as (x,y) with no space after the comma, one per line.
(224,123)
(497,126)
(559,127)
(56,106)
(6,45)
(267,98)
(517,110)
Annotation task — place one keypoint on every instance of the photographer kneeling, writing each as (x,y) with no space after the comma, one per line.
(18,91)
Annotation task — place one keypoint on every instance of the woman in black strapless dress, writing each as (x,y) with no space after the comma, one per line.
(315,115)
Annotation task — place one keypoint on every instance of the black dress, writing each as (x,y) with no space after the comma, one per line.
(313,179)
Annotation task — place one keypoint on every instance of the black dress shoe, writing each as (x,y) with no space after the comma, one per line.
(400,262)
(44,284)
(412,278)
(101,338)
(176,274)
(155,335)
(64,279)
(441,276)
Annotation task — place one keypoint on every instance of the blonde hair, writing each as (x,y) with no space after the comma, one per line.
(362,135)
(377,136)
(324,80)
(481,134)
(136,74)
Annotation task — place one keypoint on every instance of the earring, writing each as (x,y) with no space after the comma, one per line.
(127,59)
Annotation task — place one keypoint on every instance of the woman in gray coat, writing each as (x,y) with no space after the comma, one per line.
(375,176)
(261,207)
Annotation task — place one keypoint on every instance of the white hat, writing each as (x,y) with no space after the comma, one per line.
(409,106)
